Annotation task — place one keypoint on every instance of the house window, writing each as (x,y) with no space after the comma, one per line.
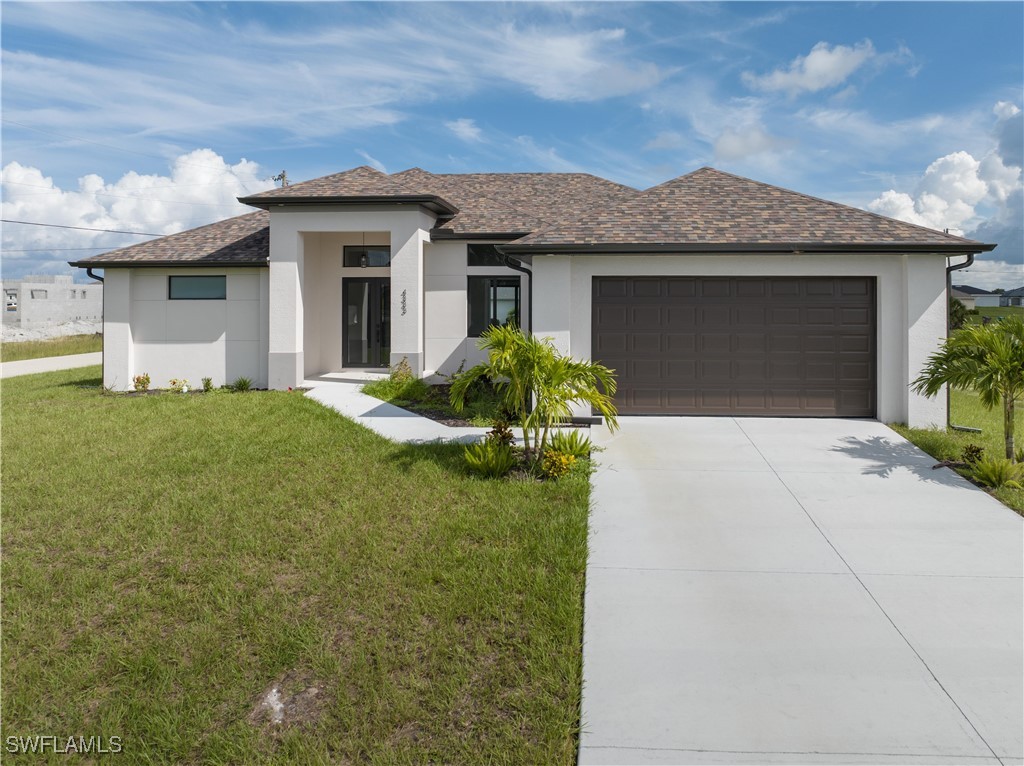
(367,256)
(38,294)
(197,288)
(492,301)
(484,255)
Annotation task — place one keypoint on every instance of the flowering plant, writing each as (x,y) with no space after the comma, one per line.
(179,385)
(141,382)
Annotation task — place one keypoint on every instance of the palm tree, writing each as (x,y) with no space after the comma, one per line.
(986,358)
(537,384)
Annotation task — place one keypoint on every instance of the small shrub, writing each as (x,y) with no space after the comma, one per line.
(401,385)
(998,472)
(179,385)
(207,384)
(241,384)
(490,458)
(1019,457)
(501,432)
(571,443)
(556,464)
(141,382)
(972,453)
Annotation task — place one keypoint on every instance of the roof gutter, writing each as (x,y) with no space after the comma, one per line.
(949,295)
(88,271)
(517,265)
(775,248)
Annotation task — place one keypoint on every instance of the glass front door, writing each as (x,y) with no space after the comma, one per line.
(366,336)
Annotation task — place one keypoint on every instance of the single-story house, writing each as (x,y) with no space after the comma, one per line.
(967,295)
(709,294)
(1013,297)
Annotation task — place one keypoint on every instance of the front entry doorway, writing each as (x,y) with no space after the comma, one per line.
(366,335)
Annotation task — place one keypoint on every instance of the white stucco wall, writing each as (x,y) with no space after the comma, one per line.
(407,230)
(446,307)
(910,305)
(145,332)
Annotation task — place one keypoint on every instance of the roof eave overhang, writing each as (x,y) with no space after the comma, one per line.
(128,264)
(433,203)
(775,248)
(504,235)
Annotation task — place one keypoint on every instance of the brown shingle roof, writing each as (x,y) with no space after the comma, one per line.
(240,241)
(513,203)
(706,211)
(709,207)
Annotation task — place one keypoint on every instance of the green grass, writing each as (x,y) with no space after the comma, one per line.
(13,351)
(167,558)
(995,312)
(966,410)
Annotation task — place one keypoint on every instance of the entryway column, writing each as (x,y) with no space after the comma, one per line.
(285,365)
(407,240)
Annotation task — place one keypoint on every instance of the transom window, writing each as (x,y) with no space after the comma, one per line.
(492,301)
(367,256)
(484,255)
(212,288)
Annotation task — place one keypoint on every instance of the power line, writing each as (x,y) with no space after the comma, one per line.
(82,228)
(50,249)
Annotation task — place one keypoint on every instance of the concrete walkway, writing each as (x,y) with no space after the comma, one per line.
(340,391)
(795,591)
(49,364)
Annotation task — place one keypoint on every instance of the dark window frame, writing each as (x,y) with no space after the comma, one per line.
(473,325)
(356,252)
(223,296)
(486,256)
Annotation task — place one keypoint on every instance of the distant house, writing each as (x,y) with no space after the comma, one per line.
(1012,297)
(966,298)
(43,300)
(979,297)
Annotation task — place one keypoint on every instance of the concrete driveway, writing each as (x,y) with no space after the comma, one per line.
(797,591)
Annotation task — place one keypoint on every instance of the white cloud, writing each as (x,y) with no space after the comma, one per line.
(201,188)
(988,275)
(984,198)
(735,144)
(374,162)
(465,128)
(667,139)
(824,67)
(545,158)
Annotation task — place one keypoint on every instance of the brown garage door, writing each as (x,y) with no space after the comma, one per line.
(738,346)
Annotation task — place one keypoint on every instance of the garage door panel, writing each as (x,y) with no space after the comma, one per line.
(713,343)
(819,315)
(757,346)
(682,317)
(610,317)
(714,316)
(749,343)
(645,318)
(645,342)
(783,316)
(682,288)
(680,343)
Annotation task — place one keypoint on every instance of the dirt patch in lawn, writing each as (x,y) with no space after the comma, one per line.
(293,699)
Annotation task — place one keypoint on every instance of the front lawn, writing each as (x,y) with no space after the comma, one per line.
(995,313)
(169,560)
(14,351)
(966,410)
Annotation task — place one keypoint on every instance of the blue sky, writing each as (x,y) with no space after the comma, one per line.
(153,117)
